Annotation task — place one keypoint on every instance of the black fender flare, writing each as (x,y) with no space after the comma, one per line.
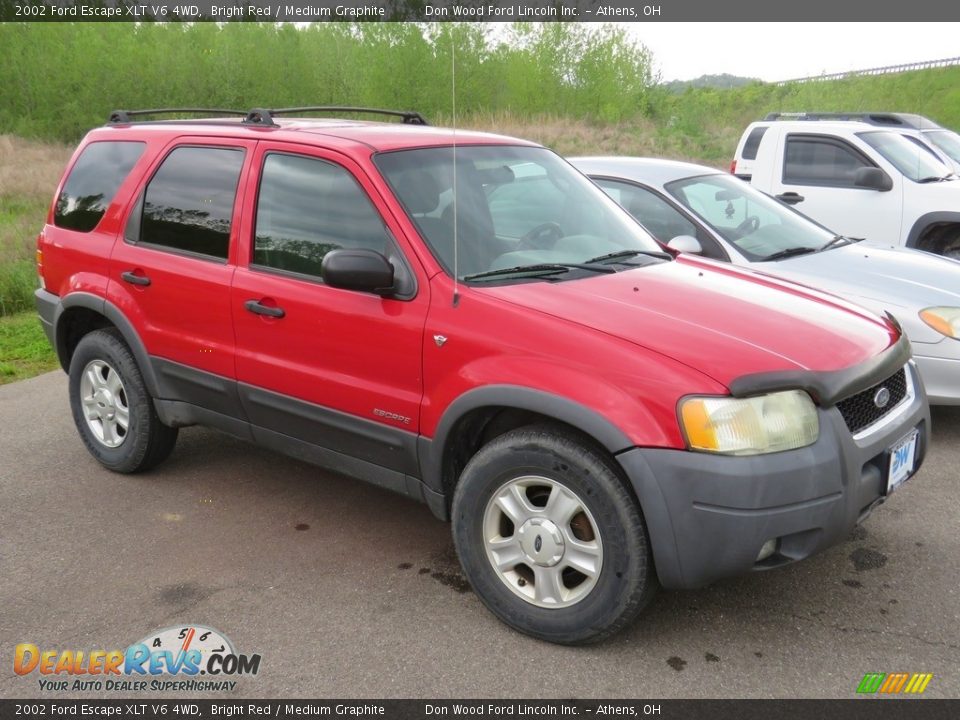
(925,221)
(590,422)
(112,313)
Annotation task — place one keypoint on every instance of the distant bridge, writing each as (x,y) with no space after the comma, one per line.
(886,70)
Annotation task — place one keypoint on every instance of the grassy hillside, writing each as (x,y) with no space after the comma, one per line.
(711,120)
(578,89)
(70,76)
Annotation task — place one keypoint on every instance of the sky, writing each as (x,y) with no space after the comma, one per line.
(781,51)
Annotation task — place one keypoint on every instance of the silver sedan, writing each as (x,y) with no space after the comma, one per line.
(697,209)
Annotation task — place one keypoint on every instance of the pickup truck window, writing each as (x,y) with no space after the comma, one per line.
(817,160)
(752,144)
(947,140)
(916,164)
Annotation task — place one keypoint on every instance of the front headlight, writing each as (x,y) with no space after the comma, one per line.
(945,320)
(750,426)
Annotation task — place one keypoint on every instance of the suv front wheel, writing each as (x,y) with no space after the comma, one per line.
(112,409)
(550,538)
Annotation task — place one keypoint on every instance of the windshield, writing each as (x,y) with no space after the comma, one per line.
(517,206)
(911,160)
(754,223)
(947,140)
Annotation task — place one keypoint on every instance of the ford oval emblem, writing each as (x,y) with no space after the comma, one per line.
(538,543)
(882,398)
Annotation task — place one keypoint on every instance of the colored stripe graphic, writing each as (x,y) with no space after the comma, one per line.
(894,683)
(919,681)
(871,683)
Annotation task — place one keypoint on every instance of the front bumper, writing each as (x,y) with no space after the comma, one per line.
(709,515)
(939,366)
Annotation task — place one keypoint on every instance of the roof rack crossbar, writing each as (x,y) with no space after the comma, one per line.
(123,116)
(261,116)
(891,119)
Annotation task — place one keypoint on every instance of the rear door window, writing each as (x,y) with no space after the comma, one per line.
(94,180)
(188,205)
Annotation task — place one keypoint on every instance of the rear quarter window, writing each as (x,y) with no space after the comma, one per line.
(752,144)
(94,180)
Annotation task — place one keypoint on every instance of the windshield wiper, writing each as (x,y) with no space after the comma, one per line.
(840,240)
(629,253)
(538,270)
(934,178)
(789,252)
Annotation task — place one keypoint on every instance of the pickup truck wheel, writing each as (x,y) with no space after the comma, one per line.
(111,407)
(550,538)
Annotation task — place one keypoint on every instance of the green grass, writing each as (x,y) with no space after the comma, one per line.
(24,349)
(20,220)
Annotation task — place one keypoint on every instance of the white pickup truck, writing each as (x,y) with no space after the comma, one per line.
(858,177)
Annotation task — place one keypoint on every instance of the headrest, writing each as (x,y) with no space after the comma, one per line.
(419,191)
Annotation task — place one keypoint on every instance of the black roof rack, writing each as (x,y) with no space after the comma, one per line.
(123,116)
(886,119)
(261,116)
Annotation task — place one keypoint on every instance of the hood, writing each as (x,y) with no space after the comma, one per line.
(881,278)
(934,196)
(723,321)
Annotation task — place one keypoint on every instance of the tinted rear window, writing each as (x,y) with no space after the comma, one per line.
(753,142)
(93,182)
(188,205)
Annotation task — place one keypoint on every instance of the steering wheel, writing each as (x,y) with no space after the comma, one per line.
(539,238)
(750,225)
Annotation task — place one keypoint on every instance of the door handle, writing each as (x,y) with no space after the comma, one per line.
(256,307)
(790,198)
(131,277)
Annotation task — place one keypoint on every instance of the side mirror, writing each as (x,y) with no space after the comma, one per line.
(686,244)
(872,178)
(360,270)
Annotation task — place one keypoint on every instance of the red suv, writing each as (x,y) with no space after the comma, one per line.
(467,320)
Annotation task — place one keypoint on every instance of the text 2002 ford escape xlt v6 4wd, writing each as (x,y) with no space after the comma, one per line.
(593,414)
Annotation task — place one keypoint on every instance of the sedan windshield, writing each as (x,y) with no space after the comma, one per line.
(910,159)
(757,225)
(947,140)
(517,208)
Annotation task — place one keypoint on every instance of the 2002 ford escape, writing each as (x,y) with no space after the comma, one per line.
(594,415)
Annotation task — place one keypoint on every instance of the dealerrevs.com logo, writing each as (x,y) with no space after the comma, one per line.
(189,658)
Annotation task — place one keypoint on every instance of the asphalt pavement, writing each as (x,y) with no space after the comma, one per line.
(346,590)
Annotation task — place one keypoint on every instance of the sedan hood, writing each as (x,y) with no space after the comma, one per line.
(723,321)
(881,278)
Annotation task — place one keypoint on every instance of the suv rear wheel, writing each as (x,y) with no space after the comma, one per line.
(550,538)
(112,409)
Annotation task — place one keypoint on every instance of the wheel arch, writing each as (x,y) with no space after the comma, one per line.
(481,414)
(927,231)
(79,313)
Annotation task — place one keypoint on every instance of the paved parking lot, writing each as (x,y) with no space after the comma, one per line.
(350,591)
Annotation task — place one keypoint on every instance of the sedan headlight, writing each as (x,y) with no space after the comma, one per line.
(945,320)
(750,426)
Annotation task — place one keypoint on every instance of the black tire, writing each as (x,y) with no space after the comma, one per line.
(627,579)
(146,441)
